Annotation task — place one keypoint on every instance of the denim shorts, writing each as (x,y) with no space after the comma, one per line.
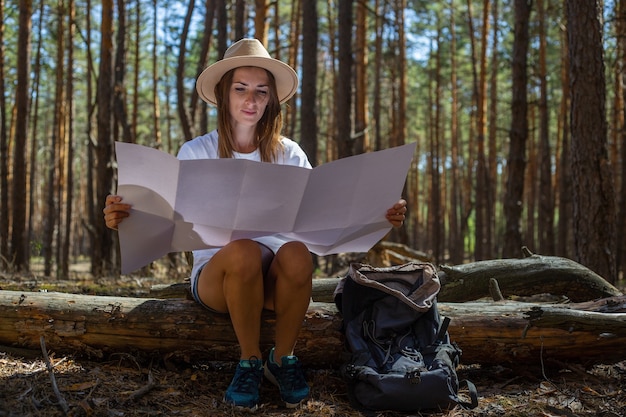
(267,256)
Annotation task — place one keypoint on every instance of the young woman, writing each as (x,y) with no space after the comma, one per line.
(246,276)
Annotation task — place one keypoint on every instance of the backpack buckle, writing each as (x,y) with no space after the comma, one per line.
(414,376)
(351,371)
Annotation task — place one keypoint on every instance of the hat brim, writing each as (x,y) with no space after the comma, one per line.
(286,78)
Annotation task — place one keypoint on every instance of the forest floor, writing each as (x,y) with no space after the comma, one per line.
(122,385)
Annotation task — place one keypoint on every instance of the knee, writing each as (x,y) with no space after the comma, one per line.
(243,259)
(295,263)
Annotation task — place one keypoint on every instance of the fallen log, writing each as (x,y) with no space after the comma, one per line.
(323,289)
(487,332)
(560,277)
(528,276)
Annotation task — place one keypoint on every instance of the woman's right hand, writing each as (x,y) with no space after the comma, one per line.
(115,211)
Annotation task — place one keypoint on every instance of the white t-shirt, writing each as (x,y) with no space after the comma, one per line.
(205,147)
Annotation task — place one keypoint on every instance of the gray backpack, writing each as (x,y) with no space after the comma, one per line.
(400,354)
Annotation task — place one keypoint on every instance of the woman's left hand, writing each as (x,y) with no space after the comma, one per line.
(396,214)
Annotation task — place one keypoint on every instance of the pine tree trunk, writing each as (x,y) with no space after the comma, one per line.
(594,195)
(516,161)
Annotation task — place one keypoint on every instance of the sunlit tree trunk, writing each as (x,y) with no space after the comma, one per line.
(91,189)
(400,126)
(4,148)
(469,185)
(455,240)
(19,249)
(492,158)
(594,195)
(261,23)
(330,114)
(518,134)
(435,214)
(482,248)
(34,143)
(56,173)
(361,122)
(293,43)
(402,73)
(64,265)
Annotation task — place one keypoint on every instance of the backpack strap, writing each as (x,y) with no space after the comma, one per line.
(473,394)
(441,335)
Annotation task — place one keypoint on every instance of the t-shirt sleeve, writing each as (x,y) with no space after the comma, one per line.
(201,147)
(294,155)
(185,152)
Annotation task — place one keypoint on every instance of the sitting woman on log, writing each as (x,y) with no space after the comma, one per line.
(245,276)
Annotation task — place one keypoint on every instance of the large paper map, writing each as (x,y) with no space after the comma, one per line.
(182,205)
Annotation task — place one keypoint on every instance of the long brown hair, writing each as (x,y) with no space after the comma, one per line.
(268,128)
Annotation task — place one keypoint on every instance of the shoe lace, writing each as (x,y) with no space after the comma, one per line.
(247,378)
(291,375)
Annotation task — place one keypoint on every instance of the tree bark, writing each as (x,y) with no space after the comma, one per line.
(563,170)
(102,241)
(180,75)
(344,140)
(261,22)
(19,253)
(493,138)
(621,211)
(595,220)
(524,277)
(308,107)
(4,150)
(361,58)
(54,172)
(455,231)
(546,201)
(483,244)
(487,332)
(516,161)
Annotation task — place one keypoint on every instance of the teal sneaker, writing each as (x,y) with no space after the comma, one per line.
(243,390)
(289,379)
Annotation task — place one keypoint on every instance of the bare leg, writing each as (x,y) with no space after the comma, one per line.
(232,282)
(288,293)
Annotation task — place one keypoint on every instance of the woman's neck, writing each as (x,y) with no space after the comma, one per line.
(245,139)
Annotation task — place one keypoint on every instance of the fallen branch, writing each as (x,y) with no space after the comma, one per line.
(53,380)
(143,390)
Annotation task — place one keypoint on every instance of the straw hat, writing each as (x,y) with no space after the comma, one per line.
(247,53)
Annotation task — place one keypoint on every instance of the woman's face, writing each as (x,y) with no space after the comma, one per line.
(248,96)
